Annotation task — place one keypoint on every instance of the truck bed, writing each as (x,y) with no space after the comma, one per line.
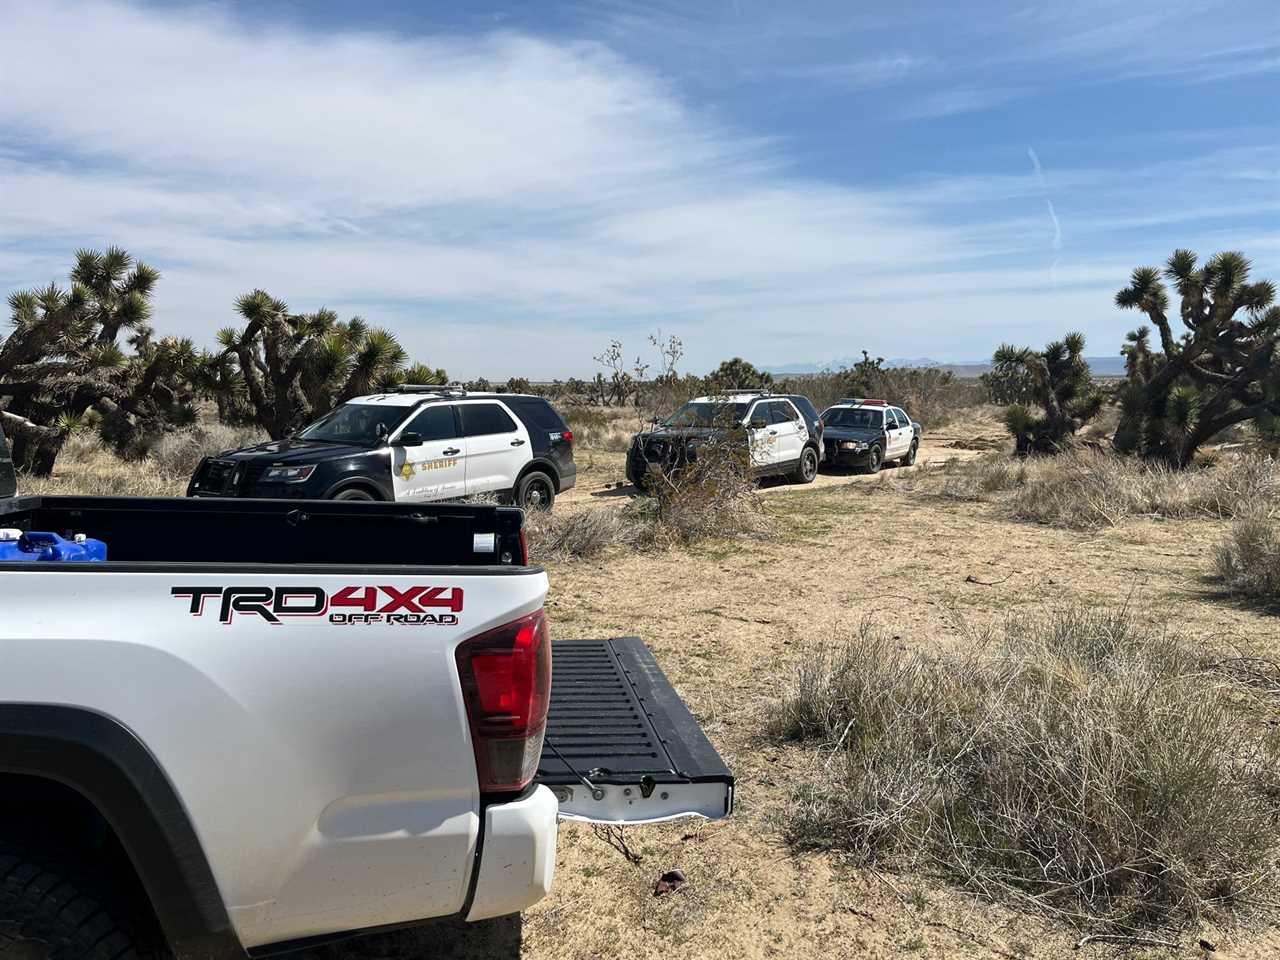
(178,530)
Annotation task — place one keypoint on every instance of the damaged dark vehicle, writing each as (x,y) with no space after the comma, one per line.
(773,435)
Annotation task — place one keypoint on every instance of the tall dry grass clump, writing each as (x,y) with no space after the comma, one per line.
(1248,559)
(87,466)
(607,429)
(580,534)
(178,452)
(1075,762)
(711,497)
(1088,488)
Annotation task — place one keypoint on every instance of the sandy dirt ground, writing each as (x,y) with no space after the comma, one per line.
(727,622)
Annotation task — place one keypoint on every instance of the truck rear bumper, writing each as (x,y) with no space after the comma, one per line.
(518,859)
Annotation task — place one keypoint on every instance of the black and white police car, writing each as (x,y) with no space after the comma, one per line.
(864,433)
(781,433)
(412,444)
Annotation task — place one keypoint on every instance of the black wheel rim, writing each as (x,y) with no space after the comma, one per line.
(537,495)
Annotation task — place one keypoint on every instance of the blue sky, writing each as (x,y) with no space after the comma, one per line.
(508,187)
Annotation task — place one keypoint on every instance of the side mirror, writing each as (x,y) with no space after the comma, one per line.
(757,424)
(409,439)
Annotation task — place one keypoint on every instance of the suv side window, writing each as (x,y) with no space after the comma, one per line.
(483,419)
(783,412)
(805,406)
(539,413)
(760,412)
(436,422)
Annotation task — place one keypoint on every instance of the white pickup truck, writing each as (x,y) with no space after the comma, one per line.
(261,724)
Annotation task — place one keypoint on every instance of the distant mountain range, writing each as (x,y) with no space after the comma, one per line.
(1101,366)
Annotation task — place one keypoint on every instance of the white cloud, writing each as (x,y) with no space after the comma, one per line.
(508,203)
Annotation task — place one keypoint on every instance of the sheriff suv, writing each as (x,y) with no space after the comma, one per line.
(781,439)
(412,444)
(865,433)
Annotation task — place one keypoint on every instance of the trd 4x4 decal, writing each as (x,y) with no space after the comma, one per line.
(413,606)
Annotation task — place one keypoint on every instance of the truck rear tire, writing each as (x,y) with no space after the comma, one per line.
(50,910)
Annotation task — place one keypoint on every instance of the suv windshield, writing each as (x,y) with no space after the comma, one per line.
(854,417)
(361,423)
(705,413)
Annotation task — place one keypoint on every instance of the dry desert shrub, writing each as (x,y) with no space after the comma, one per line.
(1074,762)
(89,467)
(178,452)
(1248,559)
(606,429)
(710,497)
(579,534)
(1087,488)
(103,474)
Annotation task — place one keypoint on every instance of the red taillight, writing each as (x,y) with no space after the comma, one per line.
(506,682)
(567,435)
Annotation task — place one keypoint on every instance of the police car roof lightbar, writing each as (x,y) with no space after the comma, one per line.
(425,388)
(864,401)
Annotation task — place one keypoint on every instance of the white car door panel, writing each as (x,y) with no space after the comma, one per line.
(790,427)
(890,435)
(760,436)
(497,446)
(435,469)
(906,432)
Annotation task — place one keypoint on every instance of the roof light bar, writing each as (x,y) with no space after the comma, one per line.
(426,388)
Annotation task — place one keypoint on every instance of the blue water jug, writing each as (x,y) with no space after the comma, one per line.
(49,547)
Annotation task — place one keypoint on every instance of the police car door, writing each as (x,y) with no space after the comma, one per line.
(792,433)
(898,436)
(497,446)
(762,436)
(428,458)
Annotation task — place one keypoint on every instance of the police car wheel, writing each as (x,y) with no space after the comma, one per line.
(535,491)
(910,458)
(354,495)
(807,469)
(874,460)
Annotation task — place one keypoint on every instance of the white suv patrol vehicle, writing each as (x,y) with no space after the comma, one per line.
(783,441)
(412,444)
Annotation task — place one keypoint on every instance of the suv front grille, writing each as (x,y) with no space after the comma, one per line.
(217,477)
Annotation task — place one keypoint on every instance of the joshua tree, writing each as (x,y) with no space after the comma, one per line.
(1059,382)
(1220,372)
(61,366)
(283,370)
(738,373)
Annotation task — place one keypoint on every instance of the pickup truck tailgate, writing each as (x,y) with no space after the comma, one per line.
(621,746)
